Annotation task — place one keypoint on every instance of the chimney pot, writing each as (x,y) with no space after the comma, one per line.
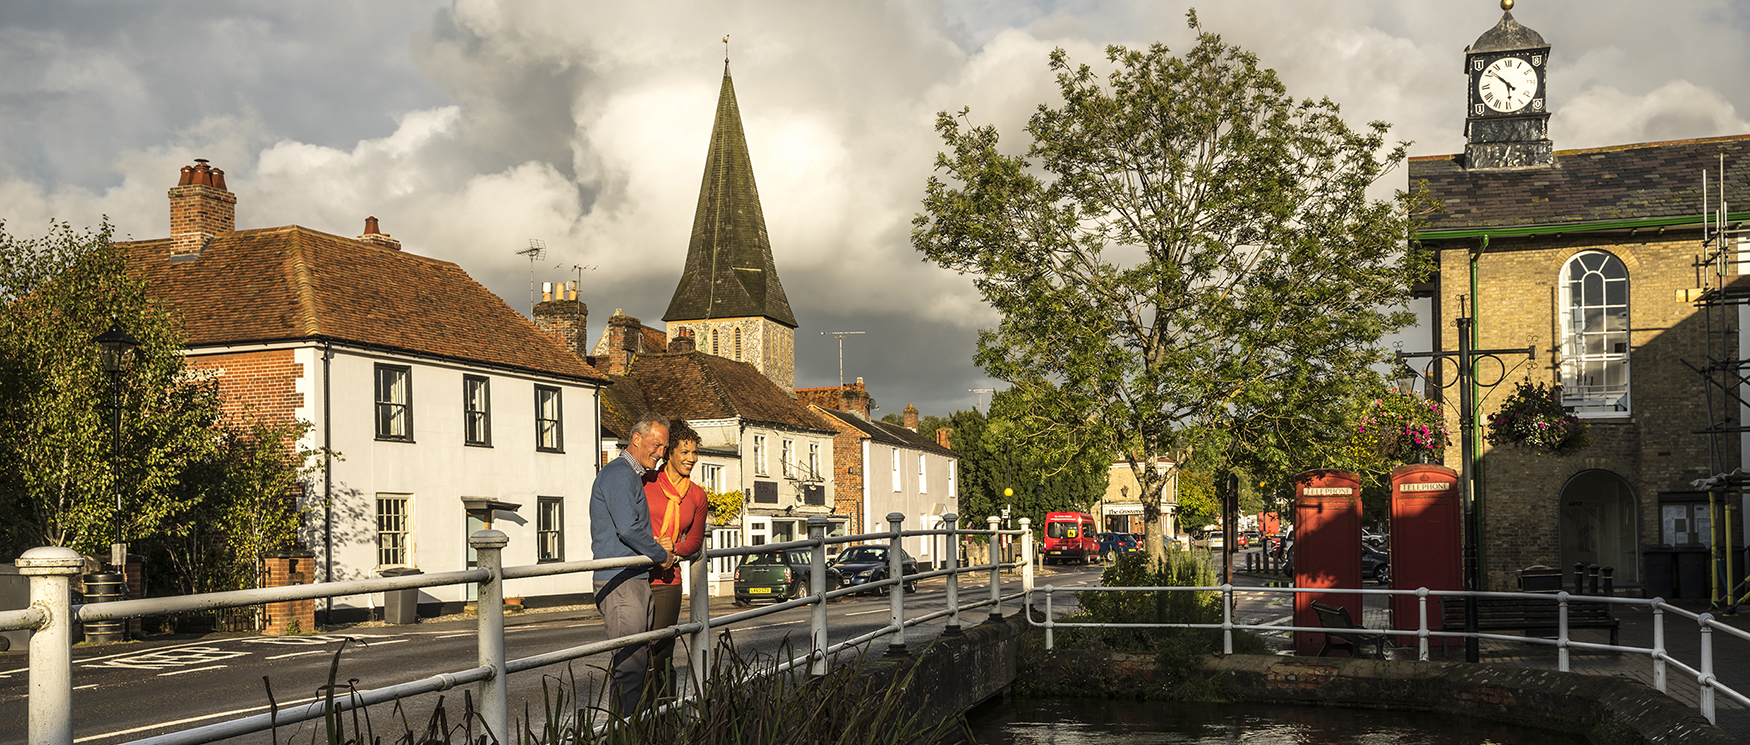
(187,176)
(682,343)
(219,179)
(911,417)
(371,226)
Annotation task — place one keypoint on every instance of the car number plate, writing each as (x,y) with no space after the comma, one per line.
(760,590)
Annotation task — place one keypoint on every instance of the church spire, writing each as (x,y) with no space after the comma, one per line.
(729,271)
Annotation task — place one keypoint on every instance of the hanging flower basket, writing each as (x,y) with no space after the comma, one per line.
(1403,428)
(1533,418)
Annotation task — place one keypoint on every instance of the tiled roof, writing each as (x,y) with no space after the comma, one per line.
(729,271)
(293,283)
(1621,183)
(622,404)
(696,385)
(890,434)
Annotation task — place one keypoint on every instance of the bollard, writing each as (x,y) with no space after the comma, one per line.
(1048,617)
(1592,579)
(1609,574)
(105,587)
(489,628)
(1579,577)
(1562,632)
(51,570)
(817,583)
(896,593)
(1422,628)
(699,575)
(996,573)
(953,521)
(1026,554)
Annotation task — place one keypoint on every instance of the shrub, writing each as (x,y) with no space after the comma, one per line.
(1533,417)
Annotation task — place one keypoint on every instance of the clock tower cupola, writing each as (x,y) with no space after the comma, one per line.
(1507,114)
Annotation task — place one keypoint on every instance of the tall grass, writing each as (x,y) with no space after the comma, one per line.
(746,701)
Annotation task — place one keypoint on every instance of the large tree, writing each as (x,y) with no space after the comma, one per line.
(1002,452)
(1185,259)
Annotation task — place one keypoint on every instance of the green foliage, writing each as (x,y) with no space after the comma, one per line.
(1184,260)
(724,507)
(57,466)
(1400,428)
(1199,502)
(242,503)
(1534,418)
(1002,452)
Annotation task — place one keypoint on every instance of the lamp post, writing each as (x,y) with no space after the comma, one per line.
(114,347)
(1466,357)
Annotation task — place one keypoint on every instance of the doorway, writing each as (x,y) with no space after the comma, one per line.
(1598,524)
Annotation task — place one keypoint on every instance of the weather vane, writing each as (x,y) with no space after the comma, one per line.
(726,50)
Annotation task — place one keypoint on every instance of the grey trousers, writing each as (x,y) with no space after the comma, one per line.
(625,608)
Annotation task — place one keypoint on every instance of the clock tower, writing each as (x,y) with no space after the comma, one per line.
(1507,114)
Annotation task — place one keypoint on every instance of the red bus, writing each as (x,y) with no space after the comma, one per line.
(1069,536)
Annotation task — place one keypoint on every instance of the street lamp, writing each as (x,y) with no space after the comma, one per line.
(114,347)
(1405,378)
(1467,357)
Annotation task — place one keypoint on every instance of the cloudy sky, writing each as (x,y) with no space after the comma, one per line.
(471,127)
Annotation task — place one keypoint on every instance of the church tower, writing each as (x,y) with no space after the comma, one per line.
(1507,115)
(729,295)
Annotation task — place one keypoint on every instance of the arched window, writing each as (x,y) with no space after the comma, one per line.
(713,341)
(738,345)
(1595,340)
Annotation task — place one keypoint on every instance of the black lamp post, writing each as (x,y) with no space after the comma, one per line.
(115,346)
(1466,357)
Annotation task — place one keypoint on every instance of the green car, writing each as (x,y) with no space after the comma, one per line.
(778,575)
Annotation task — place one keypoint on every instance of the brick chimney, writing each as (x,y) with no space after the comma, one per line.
(375,236)
(625,342)
(682,343)
(911,417)
(201,209)
(563,316)
(944,436)
(855,399)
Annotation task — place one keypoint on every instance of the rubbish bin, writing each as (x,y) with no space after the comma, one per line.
(1692,572)
(1540,578)
(401,606)
(104,587)
(1661,580)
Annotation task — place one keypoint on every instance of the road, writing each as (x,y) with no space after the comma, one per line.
(135,690)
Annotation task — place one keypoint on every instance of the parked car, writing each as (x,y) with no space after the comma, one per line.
(1250,539)
(779,575)
(861,565)
(1213,540)
(1375,564)
(1113,544)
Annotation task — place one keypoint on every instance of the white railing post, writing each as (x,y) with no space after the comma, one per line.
(817,584)
(700,601)
(896,593)
(1048,641)
(1027,554)
(996,572)
(1659,644)
(1706,678)
(953,521)
(51,570)
(494,697)
(1562,632)
(1227,619)
(1422,625)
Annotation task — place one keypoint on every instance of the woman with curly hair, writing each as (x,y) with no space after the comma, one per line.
(677,520)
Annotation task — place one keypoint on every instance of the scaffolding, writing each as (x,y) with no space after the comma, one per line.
(1723,301)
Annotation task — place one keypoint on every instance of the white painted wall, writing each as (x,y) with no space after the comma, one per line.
(922,497)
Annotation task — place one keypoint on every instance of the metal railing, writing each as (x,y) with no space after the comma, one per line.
(51,615)
(1657,654)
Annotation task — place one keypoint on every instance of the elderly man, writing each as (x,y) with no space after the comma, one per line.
(619,525)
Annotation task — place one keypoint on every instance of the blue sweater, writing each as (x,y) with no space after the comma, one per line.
(619,519)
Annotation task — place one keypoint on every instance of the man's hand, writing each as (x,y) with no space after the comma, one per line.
(672,559)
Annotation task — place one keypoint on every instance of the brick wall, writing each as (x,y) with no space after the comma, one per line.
(1654,450)
(200,208)
(254,385)
(283,570)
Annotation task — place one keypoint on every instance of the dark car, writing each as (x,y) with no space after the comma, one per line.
(1375,564)
(1113,544)
(779,575)
(862,565)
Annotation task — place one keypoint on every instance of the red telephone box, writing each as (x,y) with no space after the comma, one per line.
(1426,547)
(1327,546)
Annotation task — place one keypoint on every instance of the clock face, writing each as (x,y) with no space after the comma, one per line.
(1508,84)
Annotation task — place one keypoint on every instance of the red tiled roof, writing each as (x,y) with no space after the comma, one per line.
(291,283)
(696,385)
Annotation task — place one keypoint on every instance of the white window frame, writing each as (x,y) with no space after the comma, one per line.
(953,489)
(923,482)
(396,524)
(711,477)
(898,479)
(759,455)
(814,460)
(787,458)
(1603,326)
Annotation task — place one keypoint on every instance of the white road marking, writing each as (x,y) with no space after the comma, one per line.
(297,641)
(194,670)
(296,654)
(867,612)
(233,712)
(394,641)
(160,659)
(454,636)
(83,687)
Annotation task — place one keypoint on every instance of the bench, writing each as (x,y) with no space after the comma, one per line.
(1341,632)
(1531,616)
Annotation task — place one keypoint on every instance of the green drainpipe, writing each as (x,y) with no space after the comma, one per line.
(1476,402)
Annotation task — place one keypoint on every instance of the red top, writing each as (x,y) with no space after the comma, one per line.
(688,525)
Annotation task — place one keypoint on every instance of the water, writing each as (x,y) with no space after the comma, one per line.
(1088,721)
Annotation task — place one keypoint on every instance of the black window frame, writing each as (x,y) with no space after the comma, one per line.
(558,420)
(545,528)
(483,416)
(384,408)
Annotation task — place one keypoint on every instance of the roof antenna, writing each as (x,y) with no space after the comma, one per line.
(536,251)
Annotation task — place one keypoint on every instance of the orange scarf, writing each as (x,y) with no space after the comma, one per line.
(671,516)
